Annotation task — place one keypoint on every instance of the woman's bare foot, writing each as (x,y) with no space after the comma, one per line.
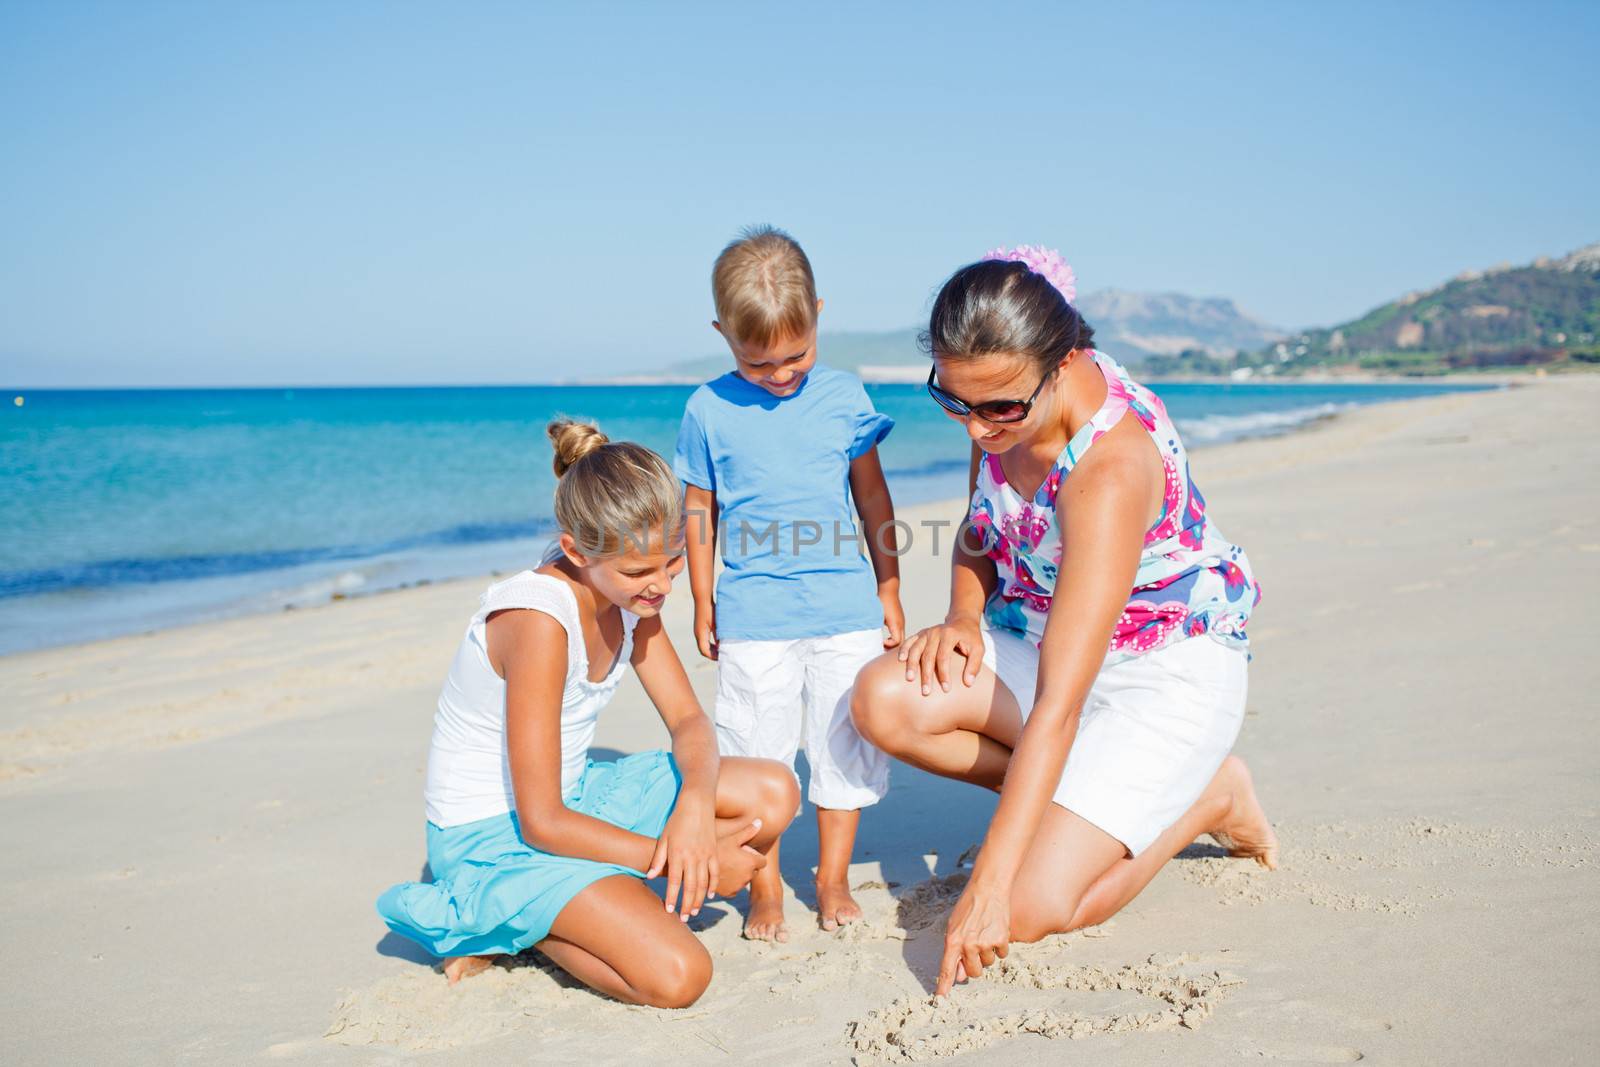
(459,967)
(1245,832)
(835,906)
(765,921)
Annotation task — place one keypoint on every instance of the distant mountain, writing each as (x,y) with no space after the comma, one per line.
(1134,327)
(1546,313)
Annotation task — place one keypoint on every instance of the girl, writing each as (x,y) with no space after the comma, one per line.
(529,841)
(1102,687)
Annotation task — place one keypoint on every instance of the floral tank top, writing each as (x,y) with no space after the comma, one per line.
(1191,581)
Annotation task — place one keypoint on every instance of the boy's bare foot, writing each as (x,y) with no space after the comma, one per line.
(1246,832)
(459,967)
(835,906)
(765,921)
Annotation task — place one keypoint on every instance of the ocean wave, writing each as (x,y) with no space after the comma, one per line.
(97,574)
(924,470)
(1216,429)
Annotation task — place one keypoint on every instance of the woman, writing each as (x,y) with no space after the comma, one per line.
(1098,690)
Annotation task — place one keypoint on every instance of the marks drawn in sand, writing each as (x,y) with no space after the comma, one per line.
(1158,994)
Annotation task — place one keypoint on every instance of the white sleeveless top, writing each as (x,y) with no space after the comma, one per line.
(469,774)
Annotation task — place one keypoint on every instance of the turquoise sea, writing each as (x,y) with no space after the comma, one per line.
(130,510)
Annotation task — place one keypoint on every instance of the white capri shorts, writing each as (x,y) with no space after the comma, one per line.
(1153,731)
(771,693)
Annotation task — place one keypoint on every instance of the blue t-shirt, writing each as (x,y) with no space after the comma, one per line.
(780,468)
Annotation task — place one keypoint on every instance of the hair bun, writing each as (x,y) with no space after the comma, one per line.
(573,440)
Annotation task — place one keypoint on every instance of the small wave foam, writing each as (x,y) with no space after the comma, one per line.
(932,467)
(1215,429)
(98,574)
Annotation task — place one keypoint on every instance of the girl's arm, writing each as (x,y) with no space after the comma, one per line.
(871,493)
(700,508)
(1104,508)
(972,580)
(688,843)
(529,649)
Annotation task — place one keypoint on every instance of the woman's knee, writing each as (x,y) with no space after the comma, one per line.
(881,703)
(1034,922)
(677,978)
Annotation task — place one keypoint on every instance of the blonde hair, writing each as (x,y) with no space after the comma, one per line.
(763,287)
(611,496)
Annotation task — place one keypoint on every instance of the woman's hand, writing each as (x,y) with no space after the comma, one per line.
(688,850)
(737,861)
(705,629)
(978,933)
(928,652)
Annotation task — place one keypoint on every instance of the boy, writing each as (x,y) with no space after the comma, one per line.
(773,453)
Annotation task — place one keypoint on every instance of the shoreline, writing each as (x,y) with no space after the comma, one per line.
(246,593)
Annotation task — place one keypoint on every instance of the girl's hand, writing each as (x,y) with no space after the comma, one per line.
(688,850)
(705,630)
(737,861)
(894,619)
(978,933)
(928,652)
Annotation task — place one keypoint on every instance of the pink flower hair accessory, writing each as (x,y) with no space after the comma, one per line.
(1045,262)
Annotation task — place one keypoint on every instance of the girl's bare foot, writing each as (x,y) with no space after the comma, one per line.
(459,967)
(765,921)
(1245,832)
(835,906)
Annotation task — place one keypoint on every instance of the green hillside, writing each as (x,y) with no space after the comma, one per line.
(1544,314)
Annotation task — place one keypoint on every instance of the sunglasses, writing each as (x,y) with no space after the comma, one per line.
(988,410)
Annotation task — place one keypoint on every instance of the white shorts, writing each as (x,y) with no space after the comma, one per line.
(1153,731)
(770,693)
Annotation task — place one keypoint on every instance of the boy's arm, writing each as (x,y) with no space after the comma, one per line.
(972,574)
(700,510)
(871,493)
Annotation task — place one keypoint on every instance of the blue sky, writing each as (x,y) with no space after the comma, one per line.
(212,193)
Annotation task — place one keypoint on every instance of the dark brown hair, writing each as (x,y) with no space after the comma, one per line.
(1000,306)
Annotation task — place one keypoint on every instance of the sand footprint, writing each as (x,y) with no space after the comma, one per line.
(417,1010)
(928,902)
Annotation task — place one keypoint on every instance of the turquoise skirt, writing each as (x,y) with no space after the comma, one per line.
(494,893)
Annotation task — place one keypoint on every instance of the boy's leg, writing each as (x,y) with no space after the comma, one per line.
(757,715)
(836,842)
(847,772)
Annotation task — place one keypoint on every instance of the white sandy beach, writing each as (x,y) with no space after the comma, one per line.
(196,822)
